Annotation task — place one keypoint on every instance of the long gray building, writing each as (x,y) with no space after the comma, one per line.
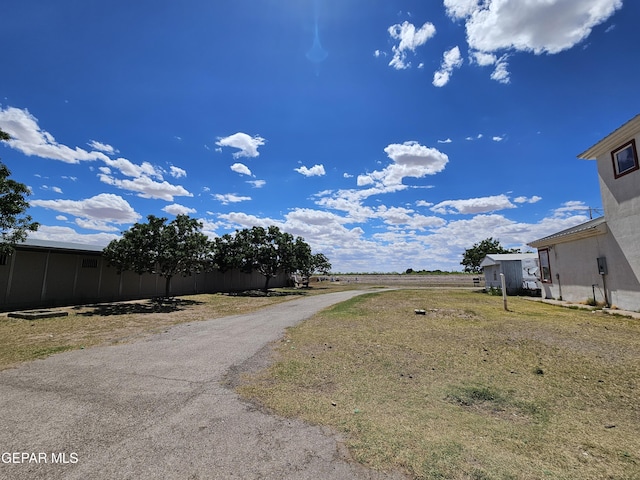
(43,274)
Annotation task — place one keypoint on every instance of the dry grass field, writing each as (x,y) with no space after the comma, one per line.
(466,391)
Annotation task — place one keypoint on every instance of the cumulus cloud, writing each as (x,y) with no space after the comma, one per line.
(130,169)
(257,183)
(177,172)
(549,26)
(228,198)
(407,218)
(450,60)
(28,138)
(534,199)
(409,38)
(146,187)
(411,160)
(241,168)
(95,213)
(364,180)
(247,144)
(102,147)
(31,140)
(473,205)
(177,209)
(67,234)
(315,171)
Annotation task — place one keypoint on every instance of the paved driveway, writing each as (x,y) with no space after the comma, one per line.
(157,409)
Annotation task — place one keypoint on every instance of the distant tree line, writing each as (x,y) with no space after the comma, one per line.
(179,247)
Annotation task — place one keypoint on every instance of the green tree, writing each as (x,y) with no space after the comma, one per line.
(14,223)
(167,249)
(268,251)
(307,263)
(473,256)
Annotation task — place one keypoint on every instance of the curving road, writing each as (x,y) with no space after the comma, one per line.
(157,408)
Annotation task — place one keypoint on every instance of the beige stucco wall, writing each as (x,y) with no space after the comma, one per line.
(574,270)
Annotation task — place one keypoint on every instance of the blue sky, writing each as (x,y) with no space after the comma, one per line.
(389,134)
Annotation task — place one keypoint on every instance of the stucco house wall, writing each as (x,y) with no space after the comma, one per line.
(574,253)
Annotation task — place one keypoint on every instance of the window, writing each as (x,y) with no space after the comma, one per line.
(89,263)
(545,267)
(625,159)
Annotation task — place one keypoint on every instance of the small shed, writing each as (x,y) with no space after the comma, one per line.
(520,271)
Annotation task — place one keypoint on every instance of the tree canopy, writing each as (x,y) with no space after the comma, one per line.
(268,251)
(14,222)
(168,249)
(473,256)
(179,248)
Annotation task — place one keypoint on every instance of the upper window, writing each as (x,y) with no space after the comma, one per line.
(625,159)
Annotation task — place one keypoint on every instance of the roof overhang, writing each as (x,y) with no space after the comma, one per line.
(591,228)
(613,140)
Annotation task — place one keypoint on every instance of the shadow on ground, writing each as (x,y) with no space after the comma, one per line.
(149,306)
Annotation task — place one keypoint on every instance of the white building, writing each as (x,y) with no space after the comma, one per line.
(600,259)
(520,271)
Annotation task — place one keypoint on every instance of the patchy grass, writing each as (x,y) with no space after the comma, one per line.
(467,391)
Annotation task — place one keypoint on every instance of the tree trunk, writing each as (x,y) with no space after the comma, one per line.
(266,283)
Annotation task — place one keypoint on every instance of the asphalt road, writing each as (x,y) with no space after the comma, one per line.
(158,408)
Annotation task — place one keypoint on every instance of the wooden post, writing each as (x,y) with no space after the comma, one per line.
(504,291)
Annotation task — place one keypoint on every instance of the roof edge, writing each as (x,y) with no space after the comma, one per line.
(613,140)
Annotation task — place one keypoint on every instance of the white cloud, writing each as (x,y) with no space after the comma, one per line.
(409,39)
(540,26)
(96,213)
(147,188)
(103,147)
(241,168)
(534,199)
(569,208)
(257,183)
(448,140)
(423,203)
(450,60)
(315,171)
(537,26)
(28,138)
(247,144)
(498,138)
(62,218)
(411,160)
(67,234)
(228,198)
(130,169)
(399,216)
(177,209)
(53,189)
(500,72)
(364,180)
(473,205)
(177,172)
